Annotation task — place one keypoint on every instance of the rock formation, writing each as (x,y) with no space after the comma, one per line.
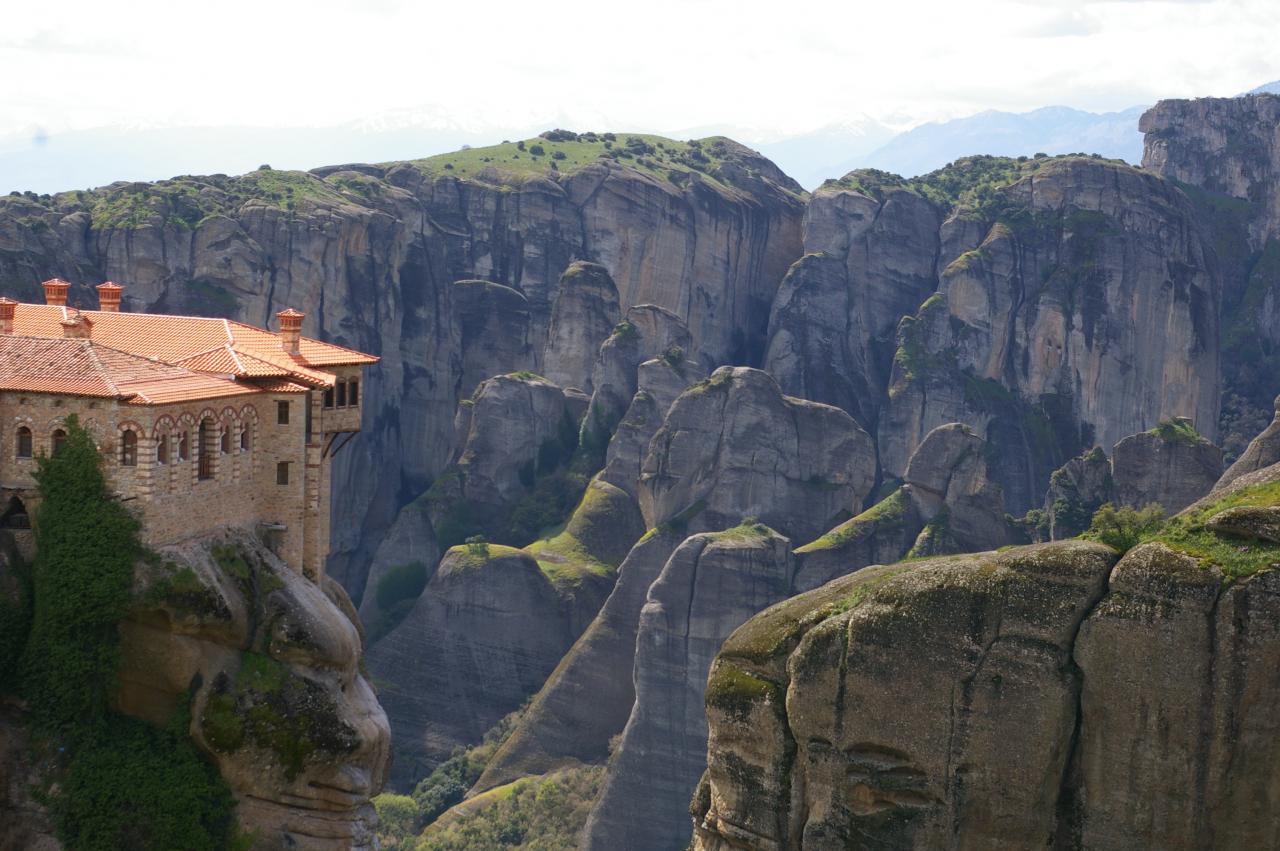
(583,316)
(492,324)
(869,260)
(1054,322)
(735,447)
(1076,490)
(1010,699)
(271,663)
(731,447)
(710,585)
(1171,465)
(1263,451)
(947,503)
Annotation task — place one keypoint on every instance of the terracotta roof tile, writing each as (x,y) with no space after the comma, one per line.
(79,367)
(182,338)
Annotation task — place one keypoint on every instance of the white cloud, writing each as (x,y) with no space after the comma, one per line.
(660,64)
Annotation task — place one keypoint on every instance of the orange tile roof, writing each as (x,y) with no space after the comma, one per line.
(80,367)
(193,340)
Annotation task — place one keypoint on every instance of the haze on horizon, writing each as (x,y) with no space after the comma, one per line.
(762,71)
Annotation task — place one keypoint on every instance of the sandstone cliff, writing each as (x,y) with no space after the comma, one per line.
(1006,700)
(730,447)
(272,666)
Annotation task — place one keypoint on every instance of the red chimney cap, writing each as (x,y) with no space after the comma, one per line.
(290,318)
(108,286)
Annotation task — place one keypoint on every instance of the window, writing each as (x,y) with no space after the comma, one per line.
(244,439)
(59,439)
(24,442)
(129,448)
(184,447)
(328,397)
(224,442)
(282,413)
(204,450)
(282,473)
(342,394)
(353,392)
(162,449)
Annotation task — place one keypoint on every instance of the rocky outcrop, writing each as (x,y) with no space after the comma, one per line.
(1171,465)
(710,585)
(485,633)
(1224,145)
(517,426)
(491,624)
(271,665)
(410,540)
(1263,451)
(1077,305)
(735,447)
(1076,490)
(583,316)
(660,382)
(1005,700)
(730,447)
(869,260)
(645,333)
(492,324)
(946,504)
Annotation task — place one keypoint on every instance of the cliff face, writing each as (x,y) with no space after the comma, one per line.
(1226,154)
(271,663)
(995,700)
(370,253)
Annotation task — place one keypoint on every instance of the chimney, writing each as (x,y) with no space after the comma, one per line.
(55,292)
(77,326)
(109,297)
(7,309)
(290,329)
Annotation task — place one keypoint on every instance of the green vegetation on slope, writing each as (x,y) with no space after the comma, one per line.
(110,782)
(564,152)
(535,814)
(968,182)
(1177,431)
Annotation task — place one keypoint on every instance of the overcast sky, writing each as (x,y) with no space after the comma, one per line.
(630,64)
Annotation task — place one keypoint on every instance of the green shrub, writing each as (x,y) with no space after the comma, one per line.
(397,819)
(451,779)
(1123,528)
(478,546)
(83,572)
(403,582)
(537,150)
(138,787)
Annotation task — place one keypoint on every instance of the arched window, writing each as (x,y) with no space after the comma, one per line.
(24,442)
(162,449)
(244,439)
(184,447)
(59,438)
(204,450)
(129,448)
(224,441)
(342,394)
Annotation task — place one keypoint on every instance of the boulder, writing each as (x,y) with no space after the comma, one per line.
(1171,465)
(734,447)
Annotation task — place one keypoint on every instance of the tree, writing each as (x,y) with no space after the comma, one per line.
(1125,527)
